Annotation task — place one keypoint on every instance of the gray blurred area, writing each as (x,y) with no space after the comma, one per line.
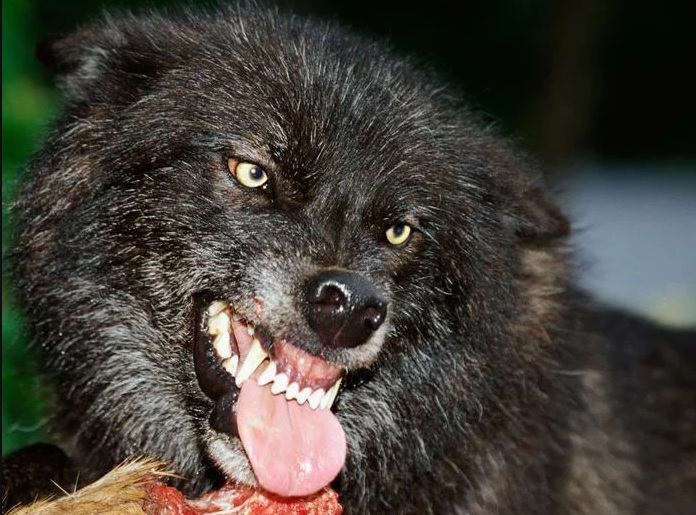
(637,237)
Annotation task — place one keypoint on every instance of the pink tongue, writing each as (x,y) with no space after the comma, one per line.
(294,450)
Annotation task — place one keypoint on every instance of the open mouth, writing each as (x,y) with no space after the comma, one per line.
(273,396)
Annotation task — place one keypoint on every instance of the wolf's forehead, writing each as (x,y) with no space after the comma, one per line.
(319,112)
(308,90)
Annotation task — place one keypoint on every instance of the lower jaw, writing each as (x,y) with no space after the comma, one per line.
(229,457)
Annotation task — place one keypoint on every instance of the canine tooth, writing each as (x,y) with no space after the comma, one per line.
(316,398)
(216,307)
(325,400)
(292,391)
(304,395)
(268,374)
(250,330)
(231,365)
(253,359)
(280,383)
(219,323)
(330,396)
(222,346)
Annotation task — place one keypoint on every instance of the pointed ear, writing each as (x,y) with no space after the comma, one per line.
(534,217)
(82,58)
(539,219)
(113,61)
(68,54)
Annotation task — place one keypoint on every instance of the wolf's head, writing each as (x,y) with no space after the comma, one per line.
(261,246)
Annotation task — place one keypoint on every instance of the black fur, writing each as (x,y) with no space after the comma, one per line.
(497,388)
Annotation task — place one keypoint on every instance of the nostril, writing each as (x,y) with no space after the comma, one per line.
(328,303)
(329,295)
(373,316)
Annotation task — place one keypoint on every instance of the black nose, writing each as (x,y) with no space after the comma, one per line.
(344,309)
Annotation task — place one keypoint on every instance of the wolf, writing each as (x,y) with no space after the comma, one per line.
(268,250)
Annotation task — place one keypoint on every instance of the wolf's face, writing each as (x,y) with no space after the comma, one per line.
(259,246)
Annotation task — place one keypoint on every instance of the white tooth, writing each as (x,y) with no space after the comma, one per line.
(280,383)
(231,365)
(219,323)
(330,396)
(335,388)
(222,346)
(253,359)
(325,400)
(268,374)
(292,391)
(250,330)
(304,395)
(216,307)
(316,398)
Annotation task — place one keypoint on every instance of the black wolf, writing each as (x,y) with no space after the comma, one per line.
(266,249)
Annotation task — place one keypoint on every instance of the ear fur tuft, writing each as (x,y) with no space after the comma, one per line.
(81,58)
(534,217)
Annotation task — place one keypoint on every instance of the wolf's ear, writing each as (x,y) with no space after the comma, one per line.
(530,211)
(69,54)
(80,59)
(99,62)
(538,220)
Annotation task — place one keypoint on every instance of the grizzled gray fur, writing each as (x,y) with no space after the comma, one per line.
(492,384)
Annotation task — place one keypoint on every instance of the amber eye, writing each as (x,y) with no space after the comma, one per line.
(247,174)
(398,234)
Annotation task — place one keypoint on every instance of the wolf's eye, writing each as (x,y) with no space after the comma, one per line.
(247,174)
(398,234)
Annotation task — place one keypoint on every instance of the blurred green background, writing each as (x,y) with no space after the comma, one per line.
(604,82)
